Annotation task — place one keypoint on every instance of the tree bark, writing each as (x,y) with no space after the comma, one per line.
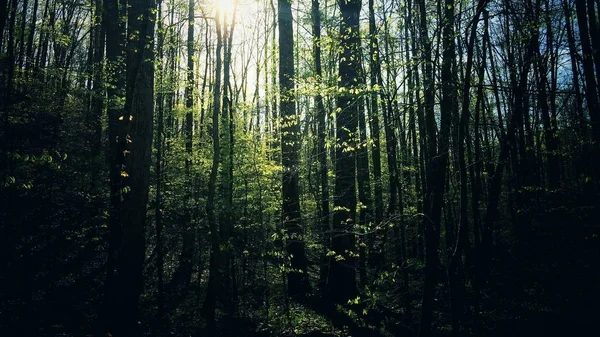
(182,276)
(215,274)
(32,26)
(463,234)
(342,275)
(591,92)
(321,144)
(158,143)
(364,183)
(134,158)
(290,147)
(375,250)
(579,116)
(437,159)
(115,50)
(3,17)
(552,162)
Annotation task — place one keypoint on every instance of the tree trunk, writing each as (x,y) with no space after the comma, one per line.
(226,215)
(579,116)
(22,37)
(375,250)
(437,159)
(182,276)
(595,38)
(364,184)
(290,147)
(449,102)
(99,90)
(591,91)
(115,49)
(463,234)
(3,17)
(321,147)
(392,153)
(214,279)
(552,162)
(29,54)
(134,158)
(495,185)
(342,276)
(158,143)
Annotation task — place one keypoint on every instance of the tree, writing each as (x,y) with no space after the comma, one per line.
(462,243)
(115,49)
(215,272)
(321,146)
(591,92)
(290,143)
(437,159)
(135,142)
(375,254)
(3,17)
(183,273)
(342,276)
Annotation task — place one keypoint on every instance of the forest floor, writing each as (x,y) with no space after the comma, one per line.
(550,287)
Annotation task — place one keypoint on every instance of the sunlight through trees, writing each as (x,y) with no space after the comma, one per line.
(299,168)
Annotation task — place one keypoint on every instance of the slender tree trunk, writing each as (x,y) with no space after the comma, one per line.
(375,250)
(22,35)
(115,49)
(591,91)
(364,184)
(226,215)
(477,167)
(99,89)
(363,179)
(552,162)
(574,69)
(594,38)
(210,303)
(32,26)
(437,159)
(49,14)
(172,61)
(321,147)
(3,18)
(290,147)
(449,102)
(392,153)
(463,234)
(183,274)
(342,276)
(158,143)
(273,119)
(203,91)
(134,158)
(495,185)
(10,55)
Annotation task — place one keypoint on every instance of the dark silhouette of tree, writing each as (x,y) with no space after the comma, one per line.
(290,132)
(342,280)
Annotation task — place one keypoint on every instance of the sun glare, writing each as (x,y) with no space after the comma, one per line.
(226,6)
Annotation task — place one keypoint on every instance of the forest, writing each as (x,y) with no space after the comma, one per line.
(299,168)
